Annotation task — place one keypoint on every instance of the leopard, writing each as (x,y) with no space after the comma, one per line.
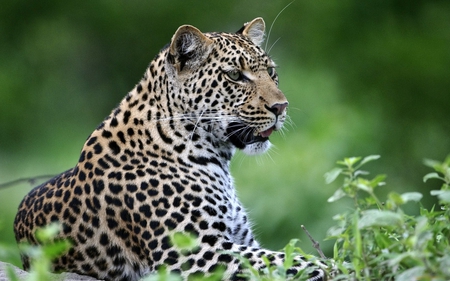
(159,164)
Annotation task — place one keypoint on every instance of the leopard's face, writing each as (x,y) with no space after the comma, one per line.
(232,92)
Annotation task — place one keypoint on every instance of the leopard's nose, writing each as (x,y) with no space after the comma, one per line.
(277,108)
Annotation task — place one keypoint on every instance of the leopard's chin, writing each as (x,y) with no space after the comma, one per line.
(257,148)
(248,139)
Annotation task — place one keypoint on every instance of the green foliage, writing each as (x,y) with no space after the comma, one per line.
(378,240)
(184,241)
(42,255)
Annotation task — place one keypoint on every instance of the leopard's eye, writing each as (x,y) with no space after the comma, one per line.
(271,71)
(235,75)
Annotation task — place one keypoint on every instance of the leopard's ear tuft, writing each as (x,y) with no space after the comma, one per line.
(188,48)
(254,30)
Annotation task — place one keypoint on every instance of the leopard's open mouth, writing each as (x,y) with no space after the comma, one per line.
(241,135)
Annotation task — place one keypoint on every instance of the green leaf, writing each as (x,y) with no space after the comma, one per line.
(332,175)
(442,168)
(432,176)
(411,196)
(436,192)
(29,250)
(431,163)
(371,218)
(382,240)
(378,181)
(48,232)
(396,198)
(360,172)
(444,264)
(363,185)
(414,273)
(335,231)
(289,251)
(335,251)
(184,241)
(351,161)
(338,194)
(443,195)
(56,249)
(397,259)
(369,158)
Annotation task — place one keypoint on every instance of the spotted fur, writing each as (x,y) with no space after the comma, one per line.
(159,164)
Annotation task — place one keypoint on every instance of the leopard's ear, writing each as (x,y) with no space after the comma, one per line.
(254,30)
(189,48)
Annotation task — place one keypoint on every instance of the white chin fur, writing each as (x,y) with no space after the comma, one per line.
(257,148)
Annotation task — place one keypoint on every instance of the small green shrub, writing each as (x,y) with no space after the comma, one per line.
(377,240)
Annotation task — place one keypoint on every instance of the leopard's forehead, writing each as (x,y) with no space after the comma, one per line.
(236,49)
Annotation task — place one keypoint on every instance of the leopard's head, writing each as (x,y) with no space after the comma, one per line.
(228,84)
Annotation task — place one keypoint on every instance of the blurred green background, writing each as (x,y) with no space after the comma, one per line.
(362,77)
